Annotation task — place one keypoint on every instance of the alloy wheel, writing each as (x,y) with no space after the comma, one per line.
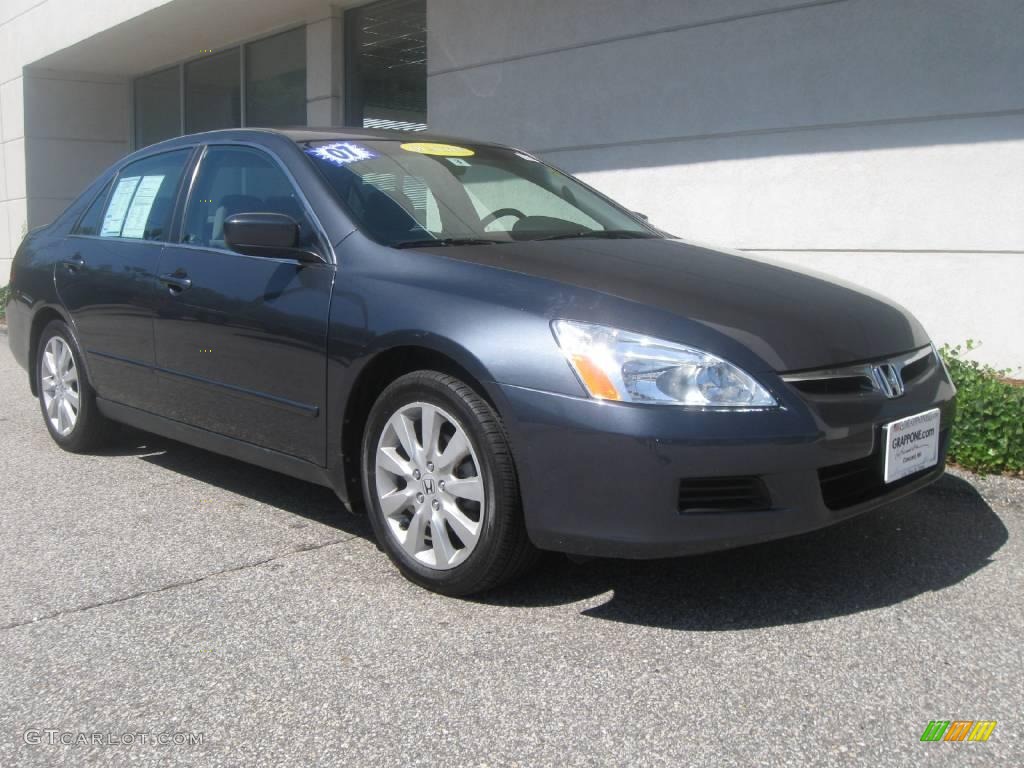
(60,387)
(430,486)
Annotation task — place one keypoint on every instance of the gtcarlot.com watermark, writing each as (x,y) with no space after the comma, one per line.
(55,737)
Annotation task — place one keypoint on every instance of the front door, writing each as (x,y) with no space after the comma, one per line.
(241,341)
(106,277)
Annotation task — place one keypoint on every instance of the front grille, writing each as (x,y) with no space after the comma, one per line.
(854,482)
(723,494)
(917,368)
(888,377)
(840,385)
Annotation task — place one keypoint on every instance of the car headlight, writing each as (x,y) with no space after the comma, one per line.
(618,365)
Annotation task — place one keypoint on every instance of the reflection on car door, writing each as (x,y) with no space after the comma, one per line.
(241,340)
(106,277)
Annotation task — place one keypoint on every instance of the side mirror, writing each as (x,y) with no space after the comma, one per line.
(266,234)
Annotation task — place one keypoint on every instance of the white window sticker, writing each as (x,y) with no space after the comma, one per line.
(114,219)
(458,161)
(141,205)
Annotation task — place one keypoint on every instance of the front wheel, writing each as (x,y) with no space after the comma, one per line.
(441,487)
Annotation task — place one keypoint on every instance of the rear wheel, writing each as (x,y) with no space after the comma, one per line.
(65,396)
(441,486)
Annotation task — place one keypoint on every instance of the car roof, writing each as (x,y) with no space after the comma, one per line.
(302,134)
(345,134)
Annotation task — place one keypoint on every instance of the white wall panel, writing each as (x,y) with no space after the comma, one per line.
(68,105)
(889,132)
(853,61)
(12,111)
(470,32)
(804,191)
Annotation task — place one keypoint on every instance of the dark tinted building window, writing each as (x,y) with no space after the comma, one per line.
(386,65)
(141,201)
(157,107)
(275,80)
(213,92)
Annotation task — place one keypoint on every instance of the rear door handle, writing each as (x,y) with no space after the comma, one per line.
(176,282)
(74,263)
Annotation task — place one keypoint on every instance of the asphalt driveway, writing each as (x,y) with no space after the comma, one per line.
(160,592)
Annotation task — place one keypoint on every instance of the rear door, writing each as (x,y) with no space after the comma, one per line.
(241,340)
(106,278)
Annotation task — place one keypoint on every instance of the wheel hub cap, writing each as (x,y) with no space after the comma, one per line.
(59,385)
(429,485)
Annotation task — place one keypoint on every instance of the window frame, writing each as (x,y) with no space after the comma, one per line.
(174,223)
(324,246)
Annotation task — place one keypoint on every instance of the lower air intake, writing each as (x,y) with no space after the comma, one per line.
(723,494)
(852,483)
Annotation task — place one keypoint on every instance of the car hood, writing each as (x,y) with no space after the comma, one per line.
(793,319)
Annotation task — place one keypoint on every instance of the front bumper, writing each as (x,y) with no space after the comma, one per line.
(603,479)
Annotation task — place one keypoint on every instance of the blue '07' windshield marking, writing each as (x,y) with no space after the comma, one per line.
(342,153)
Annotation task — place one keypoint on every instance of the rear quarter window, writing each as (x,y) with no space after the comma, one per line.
(91,221)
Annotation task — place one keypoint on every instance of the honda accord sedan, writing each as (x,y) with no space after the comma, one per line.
(482,353)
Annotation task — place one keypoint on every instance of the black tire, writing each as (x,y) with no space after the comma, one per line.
(502,550)
(91,428)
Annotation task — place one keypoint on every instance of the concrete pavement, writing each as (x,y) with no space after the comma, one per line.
(160,589)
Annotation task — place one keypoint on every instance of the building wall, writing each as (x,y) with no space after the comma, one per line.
(55,126)
(878,141)
(74,124)
(66,68)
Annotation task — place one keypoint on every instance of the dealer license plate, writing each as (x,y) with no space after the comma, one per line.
(911,444)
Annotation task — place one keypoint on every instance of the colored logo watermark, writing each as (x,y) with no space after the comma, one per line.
(958,730)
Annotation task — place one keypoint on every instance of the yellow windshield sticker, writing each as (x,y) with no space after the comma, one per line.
(442,150)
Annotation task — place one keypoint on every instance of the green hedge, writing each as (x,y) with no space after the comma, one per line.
(5,294)
(989,432)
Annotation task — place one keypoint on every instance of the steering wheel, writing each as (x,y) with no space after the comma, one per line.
(490,218)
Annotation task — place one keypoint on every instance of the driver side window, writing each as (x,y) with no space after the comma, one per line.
(239,180)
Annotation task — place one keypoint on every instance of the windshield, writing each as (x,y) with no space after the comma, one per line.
(408,194)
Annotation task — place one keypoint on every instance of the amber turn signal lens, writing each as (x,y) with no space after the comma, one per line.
(595,380)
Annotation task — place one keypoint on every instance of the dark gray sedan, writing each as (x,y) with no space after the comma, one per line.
(482,353)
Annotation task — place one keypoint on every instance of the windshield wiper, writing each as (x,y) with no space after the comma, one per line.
(608,234)
(443,241)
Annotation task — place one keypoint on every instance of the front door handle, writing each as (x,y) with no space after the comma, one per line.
(73,264)
(176,282)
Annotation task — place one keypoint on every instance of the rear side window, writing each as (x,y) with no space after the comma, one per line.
(90,223)
(140,205)
(239,180)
